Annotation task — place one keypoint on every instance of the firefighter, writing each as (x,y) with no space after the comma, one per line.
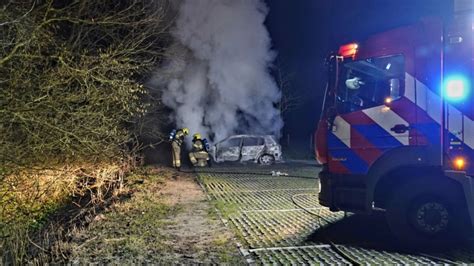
(199,154)
(177,140)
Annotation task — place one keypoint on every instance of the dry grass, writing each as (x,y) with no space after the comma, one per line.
(37,206)
(158,216)
(166,220)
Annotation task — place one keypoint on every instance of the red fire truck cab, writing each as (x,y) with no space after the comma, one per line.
(397,130)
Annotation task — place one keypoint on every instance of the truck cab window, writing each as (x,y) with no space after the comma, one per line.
(368,83)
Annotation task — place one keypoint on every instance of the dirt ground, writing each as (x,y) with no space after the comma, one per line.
(166,219)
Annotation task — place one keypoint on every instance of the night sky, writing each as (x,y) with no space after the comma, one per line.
(305,31)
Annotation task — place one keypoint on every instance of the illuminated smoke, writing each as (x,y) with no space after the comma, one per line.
(217,81)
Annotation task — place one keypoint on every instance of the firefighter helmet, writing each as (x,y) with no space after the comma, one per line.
(185,131)
(197,136)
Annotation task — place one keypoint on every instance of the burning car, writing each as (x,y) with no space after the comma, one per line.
(262,149)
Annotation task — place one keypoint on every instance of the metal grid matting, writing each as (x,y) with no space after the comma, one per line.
(277,228)
(375,257)
(267,200)
(274,193)
(259,201)
(238,185)
(324,254)
(276,231)
(301,256)
(251,169)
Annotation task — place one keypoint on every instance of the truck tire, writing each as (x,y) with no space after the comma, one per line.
(425,214)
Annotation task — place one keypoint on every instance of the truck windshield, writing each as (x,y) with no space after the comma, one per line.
(369,82)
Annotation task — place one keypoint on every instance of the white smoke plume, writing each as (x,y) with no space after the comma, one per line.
(218,82)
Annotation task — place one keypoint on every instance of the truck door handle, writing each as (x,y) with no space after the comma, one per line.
(400,128)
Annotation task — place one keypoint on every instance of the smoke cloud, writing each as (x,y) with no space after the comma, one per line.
(217,82)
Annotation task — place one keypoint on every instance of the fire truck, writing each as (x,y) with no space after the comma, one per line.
(397,129)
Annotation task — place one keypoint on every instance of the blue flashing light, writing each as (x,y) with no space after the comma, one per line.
(456,88)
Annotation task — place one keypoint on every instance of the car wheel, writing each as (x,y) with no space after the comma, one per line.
(425,215)
(266,159)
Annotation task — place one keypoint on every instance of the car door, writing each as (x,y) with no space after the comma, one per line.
(252,147)
(372,117)
(229,149)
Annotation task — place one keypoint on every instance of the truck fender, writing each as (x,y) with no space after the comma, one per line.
(399,158)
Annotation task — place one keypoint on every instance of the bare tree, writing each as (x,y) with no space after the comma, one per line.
(69,72)
(71,97)
(284,79)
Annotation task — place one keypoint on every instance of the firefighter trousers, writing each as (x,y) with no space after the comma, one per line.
(199,158)
(176,153)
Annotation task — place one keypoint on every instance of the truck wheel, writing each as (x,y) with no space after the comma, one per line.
(424,214)
(266,159)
